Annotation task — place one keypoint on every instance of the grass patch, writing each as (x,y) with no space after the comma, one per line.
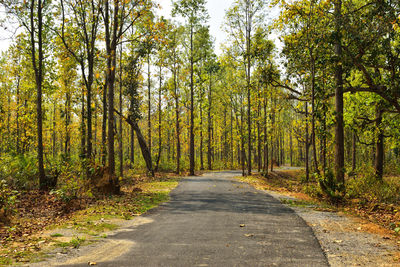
(74,243)
(56,235)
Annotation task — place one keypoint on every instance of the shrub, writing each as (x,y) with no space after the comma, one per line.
(329,186)
(8,197)
(369,189)
(19,171)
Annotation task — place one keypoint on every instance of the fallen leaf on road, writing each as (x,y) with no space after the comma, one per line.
(92,263)
(248,235)
(338,241)
(242,225)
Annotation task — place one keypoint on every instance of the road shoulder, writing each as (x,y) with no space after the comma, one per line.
(345,239)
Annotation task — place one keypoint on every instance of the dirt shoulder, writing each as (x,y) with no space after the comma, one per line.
(346,239)
(37,233)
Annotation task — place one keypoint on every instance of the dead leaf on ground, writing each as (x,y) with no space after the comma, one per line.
(242,225)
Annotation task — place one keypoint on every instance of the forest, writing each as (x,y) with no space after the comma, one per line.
(93,91)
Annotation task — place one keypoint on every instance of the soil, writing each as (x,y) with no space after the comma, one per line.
(348,240)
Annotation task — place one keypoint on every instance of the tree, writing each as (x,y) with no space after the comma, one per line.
(33,17)
(118,17)
(81,44)
(195,13)
(242,18)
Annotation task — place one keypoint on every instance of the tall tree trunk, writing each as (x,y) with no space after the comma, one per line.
(201,130)
(149,102)
(307,145)
(209,125)
(54,130)
(339,130)
(248,78)
(83,130)
(67,147)
(272,132)
(191,151)
(17,116)
(132,150)
(314,146)
(159,121)
(178,139)
(242,152)
(231,141)
(104,126)
(38,68)
(259,157)
(265,170)
(291,146)
(120,141)
(111,38)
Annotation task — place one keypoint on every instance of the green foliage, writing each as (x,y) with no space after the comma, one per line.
(56,235)
(329,186)
(371,190)
(8,197)
(313,190)
(74,243)
(20,171)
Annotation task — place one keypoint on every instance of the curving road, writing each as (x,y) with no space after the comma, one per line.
(213,220)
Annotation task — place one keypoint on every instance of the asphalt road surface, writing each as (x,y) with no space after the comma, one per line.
(213,220)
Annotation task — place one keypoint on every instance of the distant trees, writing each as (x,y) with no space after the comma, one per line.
(194,12)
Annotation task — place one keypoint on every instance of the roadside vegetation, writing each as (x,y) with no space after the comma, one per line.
(43,222)
(377,202)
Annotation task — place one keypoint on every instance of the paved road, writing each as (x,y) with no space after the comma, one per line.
(200,226)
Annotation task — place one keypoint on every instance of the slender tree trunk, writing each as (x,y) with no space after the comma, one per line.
(291,146)
(265,137)
(209,124)
(354,152)
(159,121)
(259,157)
(17,117)
(83,129)
(120,141)
(231,145)
(272,134)
(248,78)
(178,139)
(149,102)
(379,150)
(89,152)
(132,150)
(67,146)
(307,145)
(314,146)
(54,130)
(242,152)
(201,130)
(104,127)
(191,151)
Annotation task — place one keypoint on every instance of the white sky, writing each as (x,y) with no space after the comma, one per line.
(216,11)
